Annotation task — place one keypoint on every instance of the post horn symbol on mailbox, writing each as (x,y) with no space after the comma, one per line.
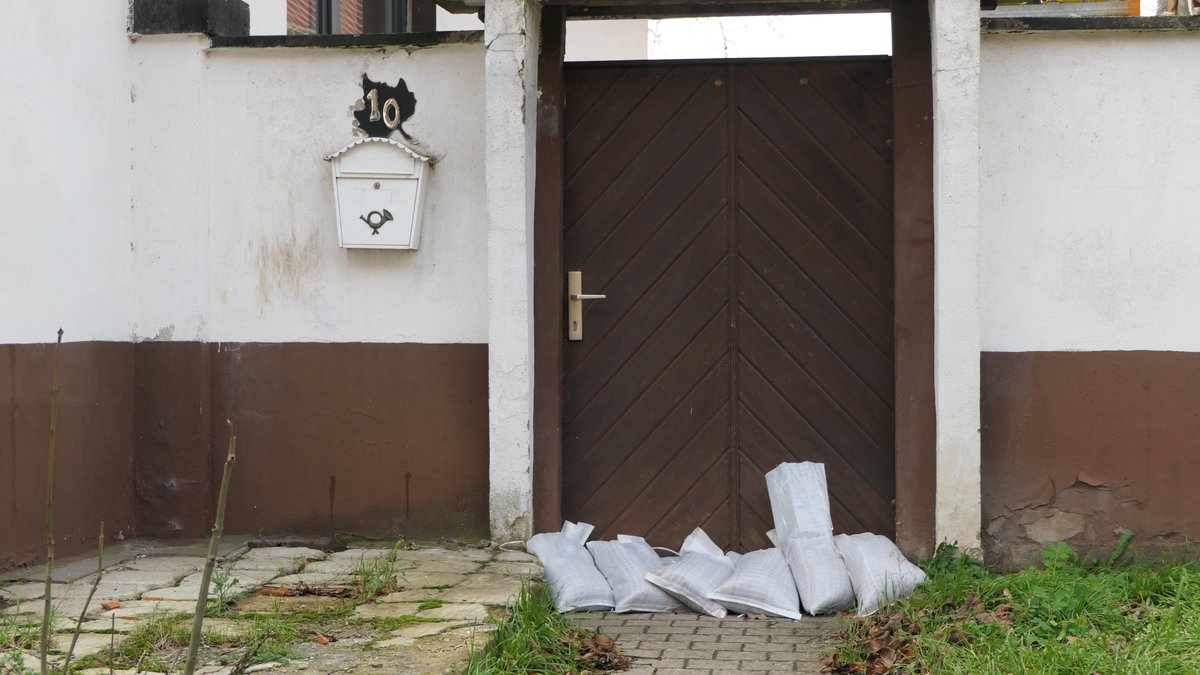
(375,220)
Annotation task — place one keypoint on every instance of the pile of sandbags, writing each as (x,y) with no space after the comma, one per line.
(808,568)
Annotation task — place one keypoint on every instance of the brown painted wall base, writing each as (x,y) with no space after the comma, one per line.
(93,466)
(375,440)
(1080,446)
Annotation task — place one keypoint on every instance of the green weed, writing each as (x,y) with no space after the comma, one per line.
(1065,616)
(19,631)
(378,575)
(534,638)
(429,604)
(221,592)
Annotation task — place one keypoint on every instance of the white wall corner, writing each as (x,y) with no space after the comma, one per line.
(955,30)
(510,36)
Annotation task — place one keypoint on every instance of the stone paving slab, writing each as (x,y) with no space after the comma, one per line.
(412,579)
(690,643)
(290,554)
(489,589)
(457,612)
(69,569)
(31,590)
(182,564)
(445,566)
(518,569)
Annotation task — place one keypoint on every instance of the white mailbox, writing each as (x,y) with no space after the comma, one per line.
(379,192)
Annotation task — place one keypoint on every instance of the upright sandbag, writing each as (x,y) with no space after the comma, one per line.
(574,581)
(625,564)
(804,529)
(701,568)
(819,572)
(761,584)
(878,570)
(799,499)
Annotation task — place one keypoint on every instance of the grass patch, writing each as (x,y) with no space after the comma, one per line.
(378,575)
(391,623)
(1065,616)
(536,639)
(439,587)
(159,643)
(429,604)
(19,632)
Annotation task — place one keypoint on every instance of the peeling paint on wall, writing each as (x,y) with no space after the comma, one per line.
(1083,446)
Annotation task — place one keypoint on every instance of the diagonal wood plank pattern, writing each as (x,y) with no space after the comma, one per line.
(738,216)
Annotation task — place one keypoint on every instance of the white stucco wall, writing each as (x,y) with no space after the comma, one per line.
(158,189)
(274,271)
(65,231)
(1090,231)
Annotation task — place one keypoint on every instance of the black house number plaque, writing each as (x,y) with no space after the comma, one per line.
(385,108)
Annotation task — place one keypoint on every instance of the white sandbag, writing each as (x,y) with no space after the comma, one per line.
(761,584)
(692,579)
(819,573)
(804,529)
(574,581)
(701,568)
(799,499)
(699,542)
(879,571)
(625,564)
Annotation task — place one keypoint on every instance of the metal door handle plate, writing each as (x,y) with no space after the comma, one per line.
(575,298)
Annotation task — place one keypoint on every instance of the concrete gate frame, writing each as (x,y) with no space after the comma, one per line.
(936,89)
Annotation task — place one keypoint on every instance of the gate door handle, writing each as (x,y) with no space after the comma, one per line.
(575,298)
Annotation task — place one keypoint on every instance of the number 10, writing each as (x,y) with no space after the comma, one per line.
(391,110)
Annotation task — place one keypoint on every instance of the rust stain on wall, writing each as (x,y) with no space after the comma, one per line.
(1084,446)
(287,265)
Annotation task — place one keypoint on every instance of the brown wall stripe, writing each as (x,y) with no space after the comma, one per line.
(1081,446)
(375,440)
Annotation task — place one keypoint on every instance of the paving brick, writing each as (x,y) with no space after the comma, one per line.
(670,630)
(745,639)
(668,664)
(643,653)
(708,664)
(686,654)
(777,666)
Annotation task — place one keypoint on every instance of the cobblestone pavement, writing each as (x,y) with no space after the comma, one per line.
(691,643)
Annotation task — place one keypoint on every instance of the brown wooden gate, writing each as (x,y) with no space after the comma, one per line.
(738,216)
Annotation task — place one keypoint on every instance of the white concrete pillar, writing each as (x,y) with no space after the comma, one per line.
(955,33)
(510,80)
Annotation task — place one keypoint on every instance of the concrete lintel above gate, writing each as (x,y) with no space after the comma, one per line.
(659,9)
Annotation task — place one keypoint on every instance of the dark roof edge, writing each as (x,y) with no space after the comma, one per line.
(1089,23)
(429,39)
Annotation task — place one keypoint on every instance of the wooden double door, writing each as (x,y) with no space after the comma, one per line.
(737,216)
